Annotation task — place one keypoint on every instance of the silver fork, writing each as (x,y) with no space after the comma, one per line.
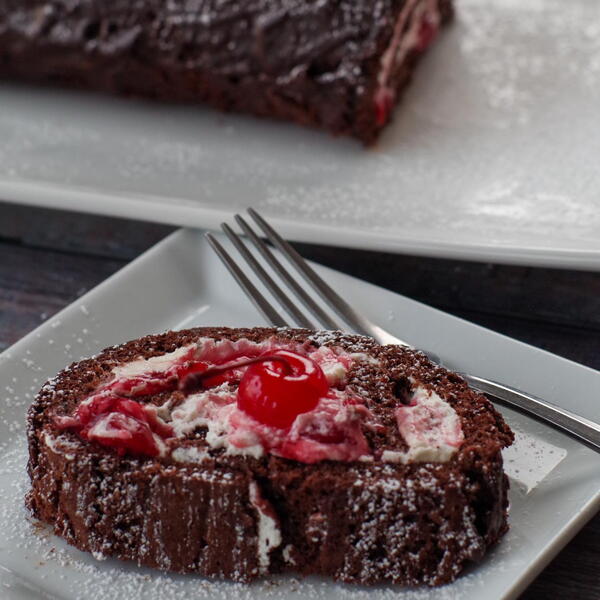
(584,429)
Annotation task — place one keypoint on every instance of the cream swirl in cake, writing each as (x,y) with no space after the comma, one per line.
(331,428)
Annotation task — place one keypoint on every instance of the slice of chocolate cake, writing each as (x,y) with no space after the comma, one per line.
(236,453)
(335,64)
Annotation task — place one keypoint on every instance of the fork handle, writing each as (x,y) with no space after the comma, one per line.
(582,428)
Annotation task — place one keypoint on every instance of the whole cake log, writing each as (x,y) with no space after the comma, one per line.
(197,508)
(315,62)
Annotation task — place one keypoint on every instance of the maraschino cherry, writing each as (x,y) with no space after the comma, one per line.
(275,388)
(279,388)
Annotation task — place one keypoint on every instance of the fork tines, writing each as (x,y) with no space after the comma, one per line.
(324,293)
(320,318)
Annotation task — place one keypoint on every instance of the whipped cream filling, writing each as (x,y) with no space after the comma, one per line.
(155,364)
(214,409)
(58,446)
(333,430)
(414,14)
(287,555)
(269,534)
(430,427)
(112,425)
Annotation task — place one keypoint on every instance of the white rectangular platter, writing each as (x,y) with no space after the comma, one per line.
(491,156)
(180,283)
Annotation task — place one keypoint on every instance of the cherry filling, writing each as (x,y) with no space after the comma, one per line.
(385,95)
(384,102)
(281,387)
(274,389)
(427,34)
(117,422)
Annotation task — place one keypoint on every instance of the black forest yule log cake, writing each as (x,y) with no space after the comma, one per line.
(236,453)
(335,64)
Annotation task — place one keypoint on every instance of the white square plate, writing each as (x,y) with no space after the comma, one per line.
(180,283)
(492,155)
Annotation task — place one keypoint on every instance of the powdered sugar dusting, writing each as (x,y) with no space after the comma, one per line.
(375,498)
(46,562)
(531,459)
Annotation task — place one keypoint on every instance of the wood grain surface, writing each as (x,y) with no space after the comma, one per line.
(49,258)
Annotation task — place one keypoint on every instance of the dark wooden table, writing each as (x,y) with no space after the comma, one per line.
(49,258)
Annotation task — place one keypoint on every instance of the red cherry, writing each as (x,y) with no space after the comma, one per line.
(280,387)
